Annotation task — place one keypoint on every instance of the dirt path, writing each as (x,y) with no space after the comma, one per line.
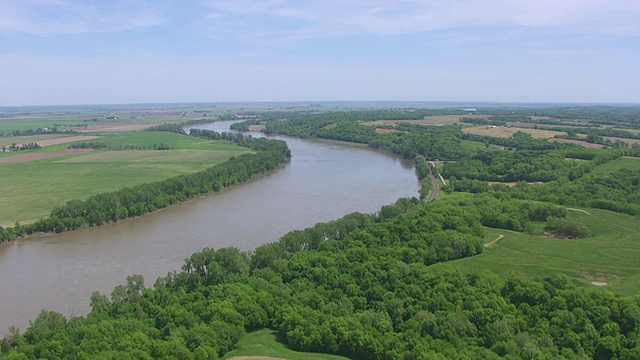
(436,187)
(582,211)
(605,220)
(490,244)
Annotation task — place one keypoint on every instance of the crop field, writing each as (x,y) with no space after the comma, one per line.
(438,120)
(506,132)
(176,141)
(27,139)
(55,174)
(578,142)
(609,256)
(82,120)
(630,142)
(154,156)
(263,343)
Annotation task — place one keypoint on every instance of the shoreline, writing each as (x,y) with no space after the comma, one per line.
(48,234)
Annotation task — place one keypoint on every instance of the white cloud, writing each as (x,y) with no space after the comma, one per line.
(52,17)
(333,17)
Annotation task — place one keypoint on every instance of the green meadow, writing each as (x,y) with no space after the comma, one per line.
(609,255)
(630,163)
(264,343)
(31,189)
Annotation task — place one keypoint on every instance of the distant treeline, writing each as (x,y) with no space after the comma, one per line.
(523,160)
(178,128)
(38,131)
(141,199)
(98,145)
(365,286)
(28,146)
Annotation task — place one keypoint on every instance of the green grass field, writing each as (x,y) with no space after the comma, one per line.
(176,141)
(610,255)
(472,145)
(9,125)
(264,343)
(622,163)
(31,189)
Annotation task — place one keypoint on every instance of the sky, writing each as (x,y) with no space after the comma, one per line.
(64,52)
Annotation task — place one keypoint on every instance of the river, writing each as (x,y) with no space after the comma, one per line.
(323,181)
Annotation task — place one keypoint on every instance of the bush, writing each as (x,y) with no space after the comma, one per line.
(567,228)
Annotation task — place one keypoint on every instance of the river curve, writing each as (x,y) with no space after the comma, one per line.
(323,181)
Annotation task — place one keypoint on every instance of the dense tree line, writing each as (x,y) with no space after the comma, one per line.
(175,128)
(28,146)
(38,131)
(519,141)
(508,166)
(407,141)
(365,286)
(98,145)
(141,199)
(618,191)
(620,116)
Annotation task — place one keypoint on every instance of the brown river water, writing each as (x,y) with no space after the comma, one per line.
(324,181)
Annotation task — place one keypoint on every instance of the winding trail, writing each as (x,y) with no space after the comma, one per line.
(490,244)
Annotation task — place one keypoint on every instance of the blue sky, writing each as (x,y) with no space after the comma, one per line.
(55,52)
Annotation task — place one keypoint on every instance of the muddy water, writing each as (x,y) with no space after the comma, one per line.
(323,181)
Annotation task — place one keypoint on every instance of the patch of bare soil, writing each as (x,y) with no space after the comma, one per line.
(577,142)
(580,210)
(384,131)
(509,184)
(63,140)
(490,244)
(21,158)
(257,127)
(598,279)
(541,126)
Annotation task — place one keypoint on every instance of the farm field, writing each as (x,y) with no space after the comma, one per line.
(437,119)
(263,343)
(18,140)
(32,188)
(506,132)
(609,256)
(113,119)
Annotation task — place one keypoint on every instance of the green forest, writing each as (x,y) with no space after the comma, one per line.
(386,285)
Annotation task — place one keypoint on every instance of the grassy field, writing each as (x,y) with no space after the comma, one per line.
(176,141)
(31,189)
(9,125)
(472,145)
(264,343)
(610,255)
(622,163)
